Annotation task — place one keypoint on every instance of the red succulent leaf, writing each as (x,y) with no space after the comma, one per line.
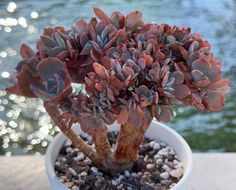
(183,52)
(214,101)
(201,83)
(24,78)
(219,84)
(181,91)
(166,114)
(50,66)
(133,20)
(26,52)
(81,26)
(118,19)
(101,15)
(101,71)
(198,75)
(178,76)
(86,49)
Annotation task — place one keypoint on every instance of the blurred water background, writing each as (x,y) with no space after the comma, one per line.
(25,128)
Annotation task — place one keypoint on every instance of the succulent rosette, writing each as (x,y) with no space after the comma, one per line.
(47,79)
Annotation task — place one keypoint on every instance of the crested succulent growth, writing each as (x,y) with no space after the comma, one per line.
(132,72)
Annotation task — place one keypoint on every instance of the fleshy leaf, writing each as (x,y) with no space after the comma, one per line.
(101,15)
(26,52)
(133,20)
(81,26)
(100,70)
(166,114)
(181,91)
(214,101)
(48,67)
(178,76)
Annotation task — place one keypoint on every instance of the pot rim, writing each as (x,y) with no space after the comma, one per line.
(49,162)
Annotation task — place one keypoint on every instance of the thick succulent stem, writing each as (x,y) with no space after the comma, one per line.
(98,130)
(77,141)
(102,144)
(131,136)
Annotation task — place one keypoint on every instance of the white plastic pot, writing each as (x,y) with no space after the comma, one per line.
(156,131)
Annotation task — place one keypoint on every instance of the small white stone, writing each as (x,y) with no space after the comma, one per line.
(175,162)
(156,146)
(63,159)
(152,143)
(166,168)
(114,182)
(68,150)
(100,173)
(163,153)
(145,158)
(177,173)
(159,161)
(80,156)
(127,174)
(68,143)
(120,178)
(156,156)
(164,175)
(150,166)
(75,188)
(72,172)
(133,174)
(94,169)
(83,174)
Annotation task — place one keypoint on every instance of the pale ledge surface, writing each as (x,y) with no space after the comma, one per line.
(211,171)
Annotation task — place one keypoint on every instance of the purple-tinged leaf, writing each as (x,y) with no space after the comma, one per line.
(198,75)
(26,52)
(101,71)
(133,20)
(214,101)
(181,91)
(166,114)
(81,26)
(219,84)
(86,49)
(178,76)
(183,52)
(101,15)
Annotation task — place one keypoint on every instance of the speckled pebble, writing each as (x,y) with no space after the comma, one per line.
(72,172)
(164,175)
(94,169)
(127,173)
(166,168)
(75,188)
(156,146)
(177,173)
(150,166)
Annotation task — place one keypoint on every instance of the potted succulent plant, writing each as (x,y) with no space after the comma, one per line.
(132,72)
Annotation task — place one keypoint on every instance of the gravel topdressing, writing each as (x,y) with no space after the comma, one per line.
(162,169)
